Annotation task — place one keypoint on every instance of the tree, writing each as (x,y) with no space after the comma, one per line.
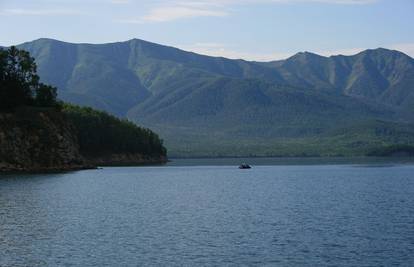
(19,82)
(100,133)
(46,95)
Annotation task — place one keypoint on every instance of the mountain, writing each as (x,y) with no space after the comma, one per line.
(115,77)
(381,75)
(205,105)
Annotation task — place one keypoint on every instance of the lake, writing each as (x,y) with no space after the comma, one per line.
(210,213)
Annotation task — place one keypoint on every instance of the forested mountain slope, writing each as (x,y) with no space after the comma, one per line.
(192,99)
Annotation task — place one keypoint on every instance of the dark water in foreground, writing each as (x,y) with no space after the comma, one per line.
(299,215)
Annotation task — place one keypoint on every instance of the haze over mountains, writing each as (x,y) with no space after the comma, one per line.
(205,106)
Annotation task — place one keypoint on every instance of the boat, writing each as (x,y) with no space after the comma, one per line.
(244,166)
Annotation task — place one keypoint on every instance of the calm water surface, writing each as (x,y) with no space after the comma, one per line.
(177,215)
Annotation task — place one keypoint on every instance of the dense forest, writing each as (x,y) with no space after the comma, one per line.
(393,150)
(306,105)
(19,82)
(98,133)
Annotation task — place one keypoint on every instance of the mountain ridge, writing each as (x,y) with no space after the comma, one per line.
(184,95)
(239,59)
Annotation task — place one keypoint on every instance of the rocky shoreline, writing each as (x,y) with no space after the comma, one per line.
(106,161)
(33,141)
(10,169)
(125,160)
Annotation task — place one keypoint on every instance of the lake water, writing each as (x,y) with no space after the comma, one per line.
(192,214)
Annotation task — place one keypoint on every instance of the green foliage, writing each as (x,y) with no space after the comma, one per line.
(356,139)
(17,78)
(393,150)
(146,72)
(45,95)
(19,82)
(200,105)
(100,133)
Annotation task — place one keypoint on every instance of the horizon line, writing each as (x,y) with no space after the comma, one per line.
(361,50)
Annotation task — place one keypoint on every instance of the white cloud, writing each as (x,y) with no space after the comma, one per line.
(343,51)
(336,2)
(247,2)
(184,9)
(120,1)
(228,51)
(163,14)
(239,2)
(179,10)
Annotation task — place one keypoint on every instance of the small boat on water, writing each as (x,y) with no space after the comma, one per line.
(245,166)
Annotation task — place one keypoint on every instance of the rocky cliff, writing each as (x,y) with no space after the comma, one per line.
(44,140)
(38,140)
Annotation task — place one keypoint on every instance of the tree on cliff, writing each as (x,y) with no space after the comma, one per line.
(19,82)
(98,133)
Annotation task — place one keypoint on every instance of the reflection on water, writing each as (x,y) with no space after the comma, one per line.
(366,161)
(300,215)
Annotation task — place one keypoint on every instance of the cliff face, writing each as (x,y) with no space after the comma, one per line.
(38,140)
(43,139)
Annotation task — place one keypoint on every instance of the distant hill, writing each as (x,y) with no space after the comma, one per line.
(205,105)
(381,75)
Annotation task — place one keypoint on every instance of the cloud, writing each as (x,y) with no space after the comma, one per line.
(229,51)
(184,9)
(120,1)
(221,3)
(335,2)
(179,10)
(38,12)
(163,14)
(343,51)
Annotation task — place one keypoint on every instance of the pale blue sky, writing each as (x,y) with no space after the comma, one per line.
(249,29)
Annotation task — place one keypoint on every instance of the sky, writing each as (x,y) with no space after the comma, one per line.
(261,30)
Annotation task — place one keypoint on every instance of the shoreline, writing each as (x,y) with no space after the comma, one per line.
(227,161)
(91,165)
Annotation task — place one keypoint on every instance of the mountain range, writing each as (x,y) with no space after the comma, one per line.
(305,105)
